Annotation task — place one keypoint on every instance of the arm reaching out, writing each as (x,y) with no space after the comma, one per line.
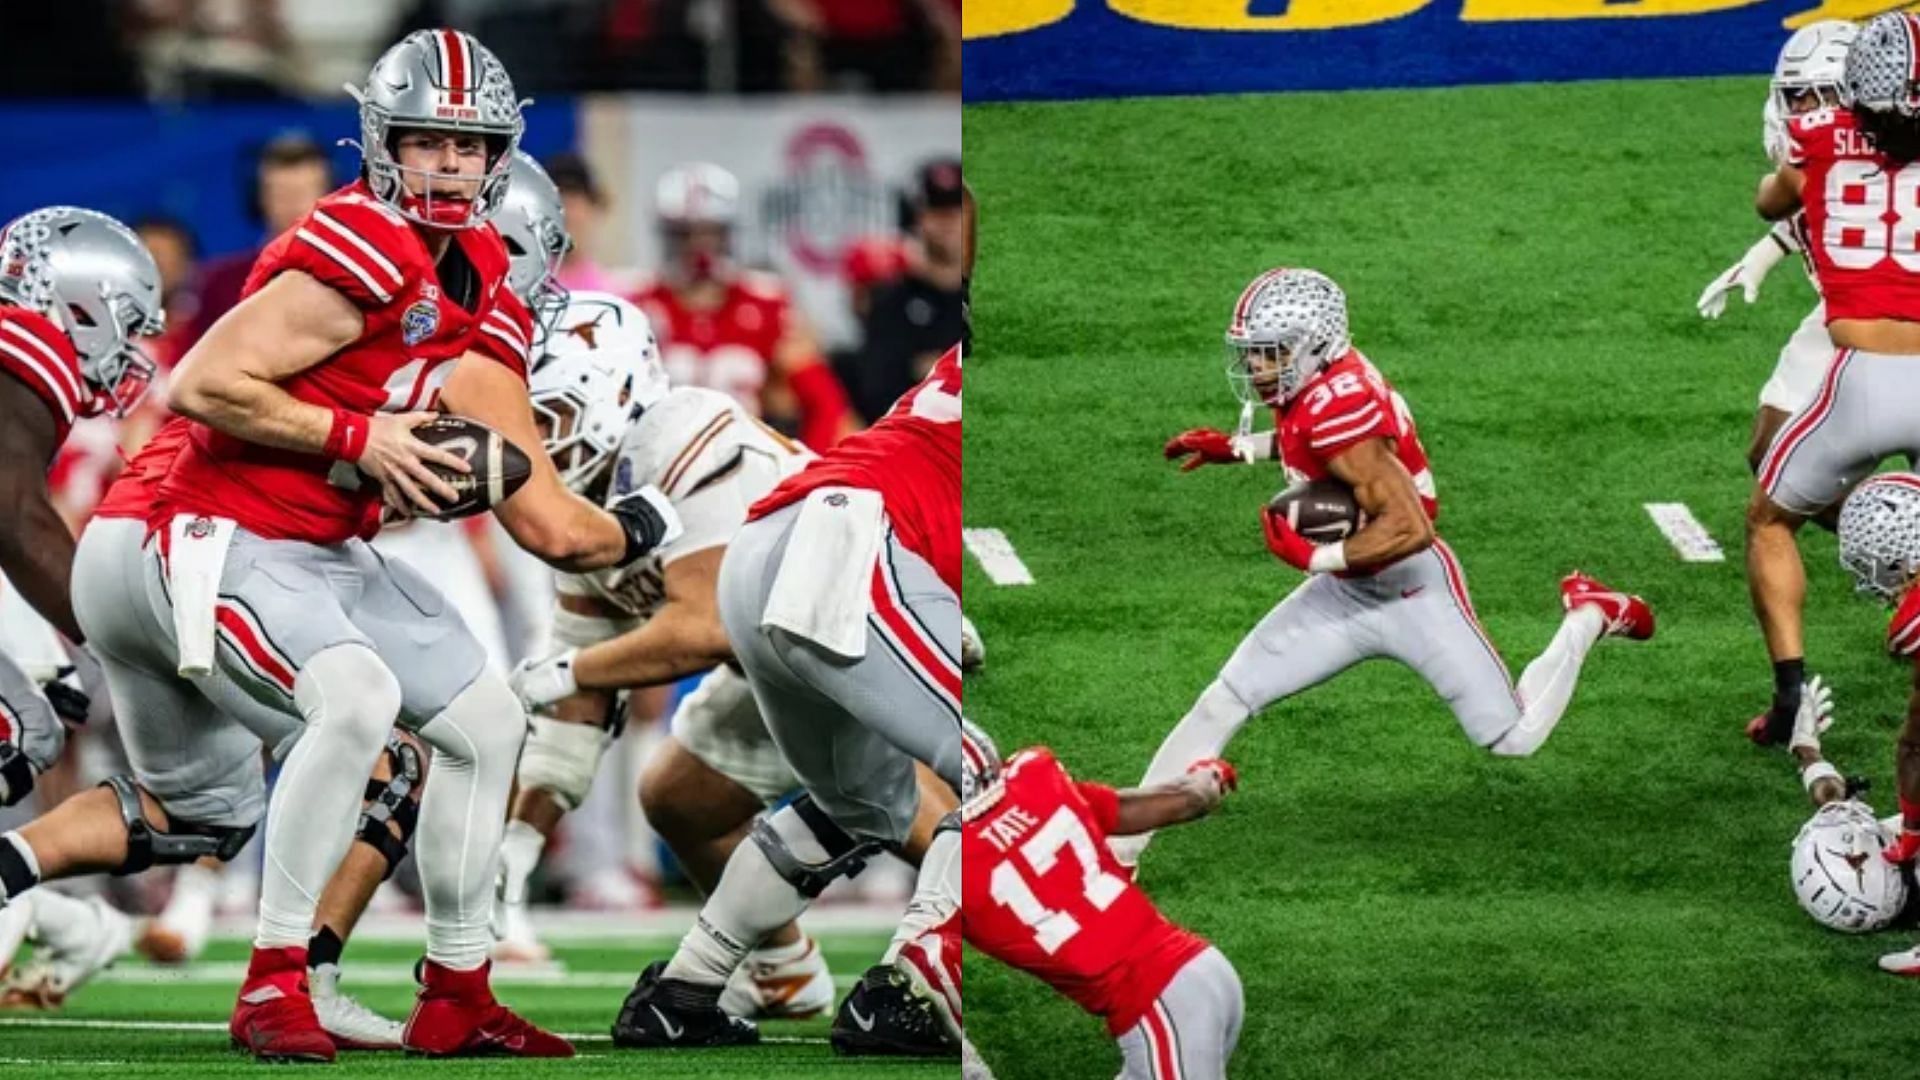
(1190,797)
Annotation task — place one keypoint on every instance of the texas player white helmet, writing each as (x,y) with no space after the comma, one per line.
(601,369)
(1287,325)
(1840,875)
(1809,73)
(95,280)
(1880,534)
(438,80)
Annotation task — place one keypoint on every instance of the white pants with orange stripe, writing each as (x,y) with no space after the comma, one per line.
(1802,364)
(851,730)
(1191,1030)
(1867,408)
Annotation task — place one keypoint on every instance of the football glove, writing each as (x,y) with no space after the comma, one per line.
(1285,543)
(1211,447)
(1747,274)
(1814,717)
(1216,778)
(540,683)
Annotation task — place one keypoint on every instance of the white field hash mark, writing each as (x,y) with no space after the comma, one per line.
(1684,531)
(997,556)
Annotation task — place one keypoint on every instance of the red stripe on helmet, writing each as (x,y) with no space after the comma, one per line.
(1246,297)
(456,70)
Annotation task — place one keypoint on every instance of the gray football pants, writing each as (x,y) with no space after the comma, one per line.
(852,730)
(1866,409)
(1190,1031)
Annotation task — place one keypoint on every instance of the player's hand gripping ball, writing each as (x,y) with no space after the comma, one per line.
(499,467)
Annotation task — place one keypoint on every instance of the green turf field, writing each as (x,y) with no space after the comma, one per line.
(1523,263)
(131,1023)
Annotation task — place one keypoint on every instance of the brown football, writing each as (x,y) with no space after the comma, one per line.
(499,467)
(1323,511)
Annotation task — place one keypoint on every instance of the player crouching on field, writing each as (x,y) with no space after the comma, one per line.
(1392,588)
(1044,895)
(1880,546)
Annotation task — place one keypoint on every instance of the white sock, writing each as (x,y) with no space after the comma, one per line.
(1546,687)
(936,896)
(1203,733)
(751,901)
(189,911)
(349,700)
(520,849)
(476,744)
(61,922)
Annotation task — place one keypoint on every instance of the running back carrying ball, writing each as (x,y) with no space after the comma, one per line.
(499,467)
(1323,511)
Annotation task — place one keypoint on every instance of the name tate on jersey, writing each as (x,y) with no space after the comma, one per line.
(1009,829)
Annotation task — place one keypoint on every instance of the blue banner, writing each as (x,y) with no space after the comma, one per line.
(1051,49)
(194,163)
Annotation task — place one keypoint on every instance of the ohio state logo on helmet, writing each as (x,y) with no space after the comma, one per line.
(445,81)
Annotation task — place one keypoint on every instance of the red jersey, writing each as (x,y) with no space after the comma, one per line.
(729,348)
(1347,403)
(1043,894)
(1863,226)
(912,458)
(419,319)
(132,493)
(38,353)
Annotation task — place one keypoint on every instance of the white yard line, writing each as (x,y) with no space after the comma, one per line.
(997,556)
(197,1026)
(1684,531)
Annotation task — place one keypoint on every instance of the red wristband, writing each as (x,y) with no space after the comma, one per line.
(347,439)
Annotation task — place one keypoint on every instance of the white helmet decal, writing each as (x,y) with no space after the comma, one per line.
(1840,875)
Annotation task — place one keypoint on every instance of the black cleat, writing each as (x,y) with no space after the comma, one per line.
(662,1012)
(884,1015)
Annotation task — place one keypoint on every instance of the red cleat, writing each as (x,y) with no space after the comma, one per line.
(1627,615)
(931,961)
(456,1015)
(273,1020)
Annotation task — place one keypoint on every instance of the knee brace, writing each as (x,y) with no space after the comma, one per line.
(393,804)
(185,842)
(561,758)
(825,852)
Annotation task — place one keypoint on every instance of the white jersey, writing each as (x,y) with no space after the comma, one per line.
(713,460)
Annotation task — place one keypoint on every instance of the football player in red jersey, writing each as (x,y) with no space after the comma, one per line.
(389,296)
(1879,536)
(1045,896)
(730,329)
(1846,169)
(840,597)
(76,287)
(1393,588)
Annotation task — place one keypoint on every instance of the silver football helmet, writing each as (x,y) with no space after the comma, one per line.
(533,222)
(94,279)
(601,369)
(1880,534)
(1840,875)
(1879,67)
(438,80)
(979,760)
(1287,325)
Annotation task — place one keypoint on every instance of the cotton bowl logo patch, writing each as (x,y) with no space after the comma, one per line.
(419,322)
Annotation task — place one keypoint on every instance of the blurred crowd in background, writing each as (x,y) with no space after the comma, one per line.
(235,50)
(228,113)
